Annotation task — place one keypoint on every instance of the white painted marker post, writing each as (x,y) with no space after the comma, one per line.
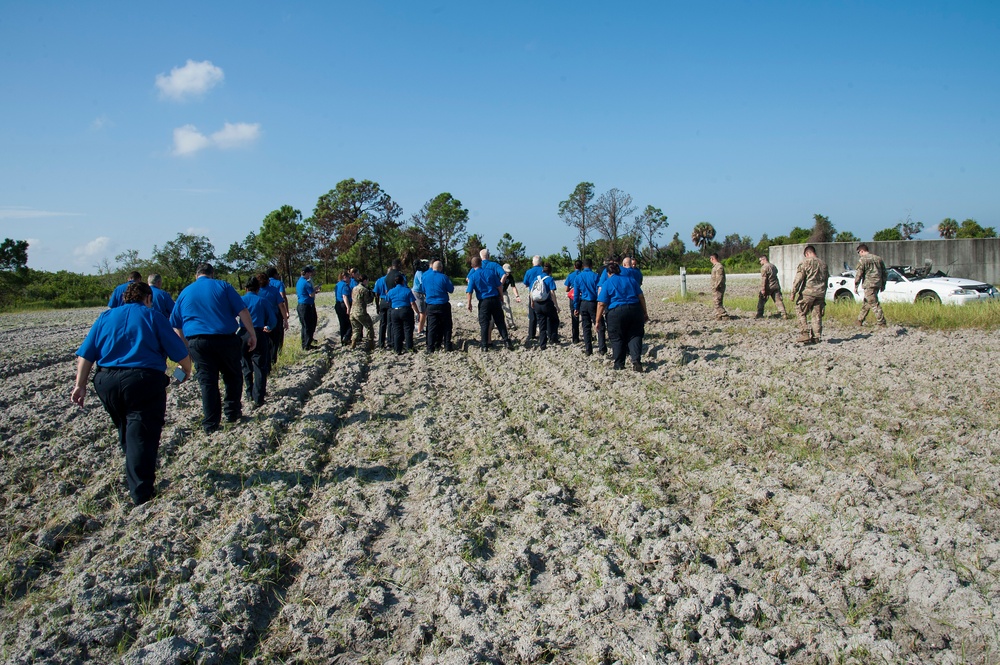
(684,282)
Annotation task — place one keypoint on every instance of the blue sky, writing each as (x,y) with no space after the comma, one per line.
(123,124)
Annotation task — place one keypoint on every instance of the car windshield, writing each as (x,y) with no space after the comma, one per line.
(894,276)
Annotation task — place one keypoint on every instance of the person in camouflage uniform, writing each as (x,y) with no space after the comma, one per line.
(871,270)
(718,286)
(809,291)
(769,288)
(361,320)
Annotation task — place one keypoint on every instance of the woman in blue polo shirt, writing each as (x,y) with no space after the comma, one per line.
(130,345)
(621,300)
(404,308)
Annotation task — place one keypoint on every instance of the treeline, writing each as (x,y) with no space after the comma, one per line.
(358,225)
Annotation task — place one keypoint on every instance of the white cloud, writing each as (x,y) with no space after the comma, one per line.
(101,122)
(96,248)
(236,135)
(14,212)
(191,80)
(196,231)
(188,140)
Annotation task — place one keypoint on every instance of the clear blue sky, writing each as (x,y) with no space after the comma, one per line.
(749,115)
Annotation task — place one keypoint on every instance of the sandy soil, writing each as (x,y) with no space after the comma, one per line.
(745,500)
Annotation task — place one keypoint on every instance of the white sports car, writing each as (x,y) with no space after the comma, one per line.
(904,284)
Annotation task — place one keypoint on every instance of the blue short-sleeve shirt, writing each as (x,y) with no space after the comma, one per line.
(305,292)
(436,287)
(133,336)
(263,314)
(618,291)
(207,307)
(400,296)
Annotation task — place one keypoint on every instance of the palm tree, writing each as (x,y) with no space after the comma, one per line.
(948,228)
(703,234)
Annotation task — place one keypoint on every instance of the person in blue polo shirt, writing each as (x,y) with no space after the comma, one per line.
(485,283)
(277,335)
(545,308)
(305,306)
(204,315)
(162,302)
(343,307)
(257,361)
(116,299)
(570,284)
(130,345)
(622,301)
(529,278)
(585,303)
(404,309)
(437,288)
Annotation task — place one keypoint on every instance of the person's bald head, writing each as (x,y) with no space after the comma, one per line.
(484,254)
(436,266)
(627,262)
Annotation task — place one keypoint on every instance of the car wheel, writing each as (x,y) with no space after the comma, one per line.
(929,297)
(844,296)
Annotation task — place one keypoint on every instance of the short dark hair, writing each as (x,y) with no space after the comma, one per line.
(862,246)
(578,264)
(397,264)
(272,272)
(135,276)
(588,263)
(400,278)
(137,292)
(809,248)
(547,268)
(253,285)
(205,269)
(713,255)
(614,268)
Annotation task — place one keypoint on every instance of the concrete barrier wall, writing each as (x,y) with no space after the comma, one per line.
(969,258)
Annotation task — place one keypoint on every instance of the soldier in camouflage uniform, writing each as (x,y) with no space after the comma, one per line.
(871,270)
(769,288)
(718,286)
(361,320)
(809,291)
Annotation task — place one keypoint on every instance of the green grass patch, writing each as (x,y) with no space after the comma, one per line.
(932,316)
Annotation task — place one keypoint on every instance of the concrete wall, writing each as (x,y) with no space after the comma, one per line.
(969,258)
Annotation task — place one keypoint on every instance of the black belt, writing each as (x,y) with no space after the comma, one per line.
(145,370)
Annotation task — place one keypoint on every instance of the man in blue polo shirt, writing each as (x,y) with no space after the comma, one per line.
(529,278)
(306,306)
(257,361)
(585,303)
(278,334)
(570,283)
(486,285)
(622,301)
(205,315)
(116,296)
(437,288)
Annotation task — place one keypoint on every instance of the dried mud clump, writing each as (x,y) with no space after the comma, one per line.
(744,500)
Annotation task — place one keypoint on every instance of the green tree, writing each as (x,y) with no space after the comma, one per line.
(675,249)
(180,256)
(283,240)
(846,236)
(577,211)
(909,228)
(970,228)
(610,214)
(243,257)
(512,252)
(650,224)
(734,244)
(352,219)
(702,234)
(13,255)
(948,228)
(443,221)
(891,233)
(472,247)
(822,230)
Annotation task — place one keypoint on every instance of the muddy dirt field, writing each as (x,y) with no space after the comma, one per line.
(744,500)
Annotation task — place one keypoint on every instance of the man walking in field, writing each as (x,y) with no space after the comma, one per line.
(769,288)
(361,320)
(718,286)
(871,270)
(809,292)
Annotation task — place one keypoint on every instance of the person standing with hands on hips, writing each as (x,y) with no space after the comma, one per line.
(130,345)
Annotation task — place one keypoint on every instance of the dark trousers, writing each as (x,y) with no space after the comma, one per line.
(384,325)
(215,355)
(256,366)
(307,319)
(588,313)
(532,321)
(602,333)
(277,340)
(574,322)
(626,328)
(439,327)
(402,328)
(345,322)
(490,310)
(547,320)
(136,400)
